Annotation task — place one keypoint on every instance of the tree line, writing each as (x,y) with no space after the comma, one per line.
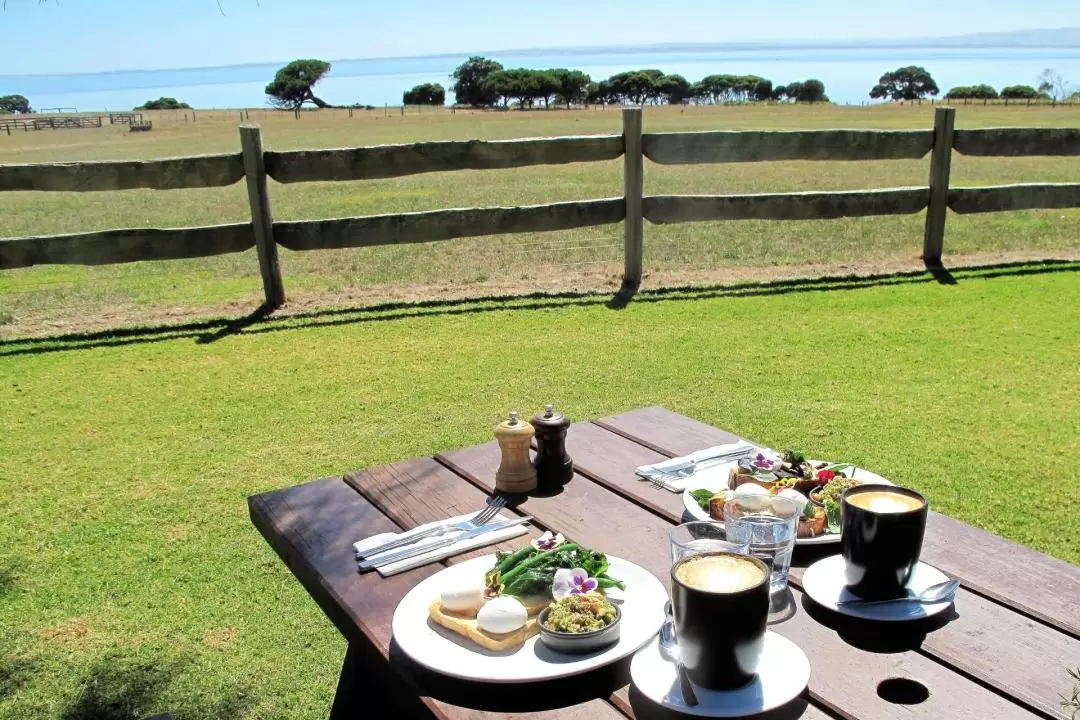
(481,82)
(914,82)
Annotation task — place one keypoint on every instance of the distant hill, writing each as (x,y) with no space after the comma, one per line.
(1051,38)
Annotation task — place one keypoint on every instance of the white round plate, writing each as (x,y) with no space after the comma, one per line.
(718,481)
(436,648)
(824,583)
(783,674)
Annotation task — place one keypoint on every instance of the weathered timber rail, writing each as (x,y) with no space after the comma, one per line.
(632,209)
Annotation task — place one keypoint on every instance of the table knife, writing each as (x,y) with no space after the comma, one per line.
(377,561)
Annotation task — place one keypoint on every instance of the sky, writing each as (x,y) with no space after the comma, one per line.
(72,36)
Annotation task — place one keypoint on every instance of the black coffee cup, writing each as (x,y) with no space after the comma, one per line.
(882,538)
(721,634)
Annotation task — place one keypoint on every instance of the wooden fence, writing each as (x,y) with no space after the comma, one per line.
(256,165)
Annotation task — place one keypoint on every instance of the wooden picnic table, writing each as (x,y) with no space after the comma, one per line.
(1001,653)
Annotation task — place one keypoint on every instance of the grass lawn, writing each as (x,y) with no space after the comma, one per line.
(587,257)
(131,581)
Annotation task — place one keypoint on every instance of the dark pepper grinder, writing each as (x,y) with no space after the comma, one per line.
(553,466)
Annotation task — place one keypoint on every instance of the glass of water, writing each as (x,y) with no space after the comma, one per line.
(695,538)
(769,524)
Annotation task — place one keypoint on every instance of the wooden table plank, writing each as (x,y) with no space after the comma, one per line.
(844,677)
(1016,656)
(1038,585)
(312,527)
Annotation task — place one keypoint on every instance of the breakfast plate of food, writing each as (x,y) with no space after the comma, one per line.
(547,610)
(814,485)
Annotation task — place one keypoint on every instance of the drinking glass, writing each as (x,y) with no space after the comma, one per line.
(695,538)
(768,524)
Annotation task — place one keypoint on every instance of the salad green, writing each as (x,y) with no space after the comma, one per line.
(531,571)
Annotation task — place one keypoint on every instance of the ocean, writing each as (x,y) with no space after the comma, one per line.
(848,73)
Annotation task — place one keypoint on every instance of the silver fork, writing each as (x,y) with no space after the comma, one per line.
(494,505)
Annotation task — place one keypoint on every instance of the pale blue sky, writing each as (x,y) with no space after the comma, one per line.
(63,36)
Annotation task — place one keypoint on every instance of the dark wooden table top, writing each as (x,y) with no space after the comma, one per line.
(1001,653)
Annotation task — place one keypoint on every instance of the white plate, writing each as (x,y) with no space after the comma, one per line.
(718,481)
(436,648)
(783,674)
(824,583)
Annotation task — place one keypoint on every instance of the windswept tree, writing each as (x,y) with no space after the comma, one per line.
(907,83)
(426,94)
(470,82)
(14,105)
(293,84)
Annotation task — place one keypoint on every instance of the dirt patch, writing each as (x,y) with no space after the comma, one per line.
(220,638)
(558,281)
(71,634)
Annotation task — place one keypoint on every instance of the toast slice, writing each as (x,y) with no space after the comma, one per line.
(466,626)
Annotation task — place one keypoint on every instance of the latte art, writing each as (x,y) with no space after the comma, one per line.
(884,501)
(719,573)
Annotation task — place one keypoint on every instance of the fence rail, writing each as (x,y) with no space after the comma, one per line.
(632,209)
(385,161)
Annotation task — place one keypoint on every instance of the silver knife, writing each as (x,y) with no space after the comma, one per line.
(376,561)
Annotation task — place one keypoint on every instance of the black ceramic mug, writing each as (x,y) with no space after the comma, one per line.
(883,528)
(721,606)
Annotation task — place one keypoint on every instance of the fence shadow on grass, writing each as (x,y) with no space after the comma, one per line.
(262,320)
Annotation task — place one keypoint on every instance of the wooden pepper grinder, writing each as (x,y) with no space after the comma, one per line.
(553,466)
(516,473)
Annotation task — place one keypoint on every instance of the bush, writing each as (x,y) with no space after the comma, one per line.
(164,103)
(972,92)
(1023,92)
(426,94)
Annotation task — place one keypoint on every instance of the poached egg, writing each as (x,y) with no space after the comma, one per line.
(500,615)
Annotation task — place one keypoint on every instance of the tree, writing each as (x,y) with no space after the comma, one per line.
(1022,92)
(14,105)
(292,85)
(545,84)
(1053,83)
(426,94)
(971,92)
(573,85)
(164,103)
(675,89)
(633,87)
(470,87)
(813,91)
(907,83)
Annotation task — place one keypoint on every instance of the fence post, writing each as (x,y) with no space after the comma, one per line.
(940,163)
(633,188)
(261,219)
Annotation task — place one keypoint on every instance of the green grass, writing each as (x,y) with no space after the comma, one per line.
(588,257)
(131,581)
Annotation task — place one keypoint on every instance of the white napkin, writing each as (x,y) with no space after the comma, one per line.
(712,470)
(488,538)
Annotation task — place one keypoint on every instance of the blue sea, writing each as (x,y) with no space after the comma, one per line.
(848,73)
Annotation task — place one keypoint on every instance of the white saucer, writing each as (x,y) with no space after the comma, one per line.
(784,673)
(824,583)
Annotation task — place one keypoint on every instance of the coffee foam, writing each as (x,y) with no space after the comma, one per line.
(719,573)
(884,501)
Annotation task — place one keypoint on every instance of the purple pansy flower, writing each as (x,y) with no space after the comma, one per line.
(547,541)
(762,463)
(572,582)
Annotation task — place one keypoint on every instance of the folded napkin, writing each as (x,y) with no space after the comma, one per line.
(488,538)
(707,470)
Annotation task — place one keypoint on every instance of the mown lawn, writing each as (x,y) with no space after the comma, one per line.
(131,581)
(584,257)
